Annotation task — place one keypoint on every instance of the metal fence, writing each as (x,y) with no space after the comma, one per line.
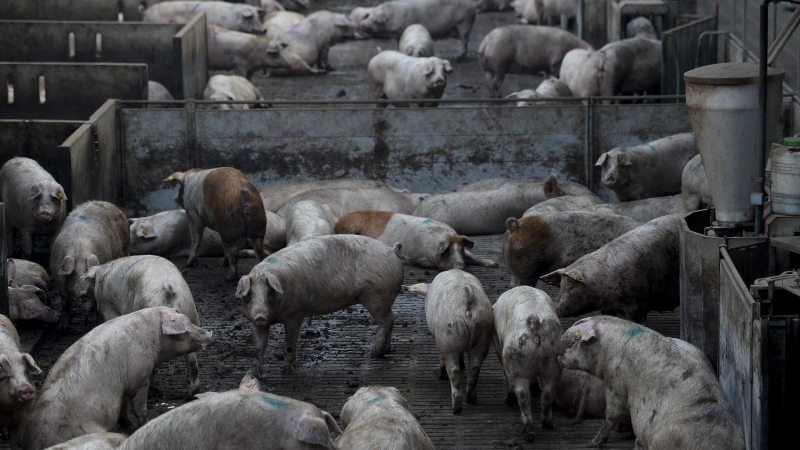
(684,48)
(73,9)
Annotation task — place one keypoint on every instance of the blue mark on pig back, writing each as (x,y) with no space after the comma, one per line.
(427,221)
(271,260)
(137,262)
(274,403)
(635,331)
(651,147)
(329,245)
(373,400)
(502,184)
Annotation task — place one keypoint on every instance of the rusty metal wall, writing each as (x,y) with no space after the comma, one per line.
(173,64)
(425,150)
(680,48)
(72,91)
(73,9)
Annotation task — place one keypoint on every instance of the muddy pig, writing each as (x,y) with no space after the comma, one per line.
(526,337)
(397,76)
(568,187)
(88,388)
(35,203)
(634,274)
(416,41)
(94,233)
(242,419)
(647,170)
(459,317)
(94,441)
(565,203)
(27,303)
(426,242)
(231,88)
(643,210)
(244,18)
(16,390)
(319,276)
(225,201)
(538,244)
(694,186)
(667,385)
(379,417)
(307,219)
(343,201)
(276,195)
(524,49)
(132,283)
(485,212)
(22,272)
(442,18)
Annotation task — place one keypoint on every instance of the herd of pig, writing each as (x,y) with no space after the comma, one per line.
(328,245)
(286,42)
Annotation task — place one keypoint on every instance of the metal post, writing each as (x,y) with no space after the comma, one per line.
(589,161)
(3,268)
(762,120)
(774,20)
(744,30)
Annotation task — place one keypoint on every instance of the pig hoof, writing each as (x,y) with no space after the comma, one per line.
(457,410)
(472,399)
(548,425)
(288,369)
(441,373)
(124,422)
(529,436)
(511,399)
(595,444)
(493,264)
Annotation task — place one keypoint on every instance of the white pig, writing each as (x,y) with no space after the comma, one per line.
(89,385)
(22,272)
(237,17)
(280,21)
(396,76)
(641,27)
(377,417)
(94,441)
(26,303)
(307,219)
(565,203)
(643,210)
(132,283)
(16,390)
(549,88)
(416,41)
(34,202)
(567,187)
(346,200)
(694,186)
(242,53)
(306,44)
(231,88)
(157,92)
(459,317)
(276,195)
(526,338)
(426,242)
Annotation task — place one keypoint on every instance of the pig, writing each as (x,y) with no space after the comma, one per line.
(524,49)
(634,274)
(416,41)
(242,53)
(526,338)
(89,386)
(357,15)
(561,9)
(26,303)
(236,17)
(694,186)
(94,233)
(643,210)
(539,244)
(640,27)
(442,18)
(249,383)
(157,92)
(396,76)
(239,418)
(568,187)
(485,212)
(580,393)
(21,272)
(16,389)
(491,5)
(94,441)
(270,6)
(224,200)
(529,11)
(133,283)
(276,195)
(426,243)
(280,21)
(307,219)
(306,44)
(343,201)
(379,417)
(668,386)
(459,317)
(647,170)
(35,203)
(549,88)
(275,236)
(321,275)
(224,88)
(565,203)
(623,67)
(291,5)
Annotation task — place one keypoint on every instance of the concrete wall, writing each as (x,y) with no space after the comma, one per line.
(72,91)
(73,9)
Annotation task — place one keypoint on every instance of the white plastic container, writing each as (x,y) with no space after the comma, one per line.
(785,189)
(723,107)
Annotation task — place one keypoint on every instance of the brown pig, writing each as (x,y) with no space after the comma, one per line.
(225,201)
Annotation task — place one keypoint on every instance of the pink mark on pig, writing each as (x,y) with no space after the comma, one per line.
(295,26)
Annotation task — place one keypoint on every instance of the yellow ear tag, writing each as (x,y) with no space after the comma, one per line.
(62,195)
(441,248)
(1,368)
(623,161)
(249,384)
(30,306)
(170,178)
(315,426)
(144,231)
(577,277)
(172,318)
(577,335)
(238,291)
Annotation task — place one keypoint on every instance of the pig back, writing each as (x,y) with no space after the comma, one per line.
(277,195)
(457,308)
(236,207)
(346,200)
(643,210)
(9,339)
(524,315)
(94,227)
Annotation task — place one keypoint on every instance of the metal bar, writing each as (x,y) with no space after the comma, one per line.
(589,142)
(775,21)
(4,252)
(762,120)
(744,30)
(783,38)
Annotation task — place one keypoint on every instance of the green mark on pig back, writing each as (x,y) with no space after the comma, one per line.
(271,260)
(82,217)
(635,331)
(274,403)
(520,186)
(373,400)
(427,222)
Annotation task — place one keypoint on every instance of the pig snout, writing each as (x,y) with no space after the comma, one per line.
(458,265)
(206,337)
(438,82)
(260,320)
(26,393)
(46,215)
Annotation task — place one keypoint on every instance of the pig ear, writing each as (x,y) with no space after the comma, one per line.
(602,159)
(147,232)
(575,275)
(623,159)
(274,283)
(131,221)
(177,176)
(92,261)
(427,69)
(249,382)
(554,277)
(551,184)
(380,17)
(5,367)
(58,192)
(11,269)
(420,287)
(581,331)
(312,430)
(92,272)
(30,364)
(244,287)
(467,242)
(30,308)
(173,323)
(36,191)
(447,67)
(247,13)
(67,266)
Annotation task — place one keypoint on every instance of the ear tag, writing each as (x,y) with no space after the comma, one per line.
(249,384)
(30,306)
(415,287)
(577,277)
(441,248)
(62,195)
(239,291)
(623,161)
(577,335)
(172,318)
(315,426)
(144,231)
(170,178)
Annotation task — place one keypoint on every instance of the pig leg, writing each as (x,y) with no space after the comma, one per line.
(451,363)
(614,411)
(292,329)
(260,339)
(476,356)
(139,401)
(27,243)
(231,250)
(463,30)
(380,308)
(123,420)
(298,64)
(582,401)
(548,379)
(196,232)
(66,306)
(494,80)
(472,259)
(194,373)
(521,389)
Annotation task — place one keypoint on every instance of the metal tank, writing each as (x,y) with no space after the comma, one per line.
(785,187)
(724,110)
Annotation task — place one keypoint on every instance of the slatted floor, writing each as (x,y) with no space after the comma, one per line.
(333,362)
